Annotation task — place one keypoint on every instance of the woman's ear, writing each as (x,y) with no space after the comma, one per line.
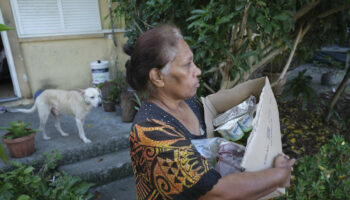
(156,77)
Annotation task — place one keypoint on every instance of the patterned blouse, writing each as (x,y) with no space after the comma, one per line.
(166,165)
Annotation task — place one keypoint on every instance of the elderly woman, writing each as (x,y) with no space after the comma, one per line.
(165,163)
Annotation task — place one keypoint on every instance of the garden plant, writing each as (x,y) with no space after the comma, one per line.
(233,39)
(27,182)
(324,175)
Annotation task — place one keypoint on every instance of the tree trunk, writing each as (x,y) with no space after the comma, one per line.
(289,61)
(340,88)
(127,105)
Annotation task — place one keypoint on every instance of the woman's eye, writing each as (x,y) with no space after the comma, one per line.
(92,97)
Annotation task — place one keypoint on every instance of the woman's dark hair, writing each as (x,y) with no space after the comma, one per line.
(154,48)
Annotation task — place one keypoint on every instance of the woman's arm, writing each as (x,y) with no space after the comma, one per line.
(253,185)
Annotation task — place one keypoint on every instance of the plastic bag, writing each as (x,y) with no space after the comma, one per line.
(208,148)
(247,106)
(230,157)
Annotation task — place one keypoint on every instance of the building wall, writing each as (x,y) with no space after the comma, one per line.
(64,61)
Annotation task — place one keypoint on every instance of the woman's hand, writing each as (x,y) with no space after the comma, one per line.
(283,161)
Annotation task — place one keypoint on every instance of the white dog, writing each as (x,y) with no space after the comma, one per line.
(74,103)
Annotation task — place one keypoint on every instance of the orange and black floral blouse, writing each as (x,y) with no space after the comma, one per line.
(166,165)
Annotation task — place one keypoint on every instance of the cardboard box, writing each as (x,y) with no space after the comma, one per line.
(264,142)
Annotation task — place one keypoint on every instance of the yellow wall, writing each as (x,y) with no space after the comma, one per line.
(64,61)
(65,64)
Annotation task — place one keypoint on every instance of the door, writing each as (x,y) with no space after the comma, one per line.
(9,87)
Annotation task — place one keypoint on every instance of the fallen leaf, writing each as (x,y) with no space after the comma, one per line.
(341,177)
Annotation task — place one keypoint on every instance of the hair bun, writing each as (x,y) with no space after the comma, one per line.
(128,49)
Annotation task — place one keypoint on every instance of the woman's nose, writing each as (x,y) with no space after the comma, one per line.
(197,70)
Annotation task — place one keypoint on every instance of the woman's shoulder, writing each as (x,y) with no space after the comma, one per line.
(153,132)
(145,112)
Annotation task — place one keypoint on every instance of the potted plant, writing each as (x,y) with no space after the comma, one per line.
(19,139)
(111,91)
(109,95)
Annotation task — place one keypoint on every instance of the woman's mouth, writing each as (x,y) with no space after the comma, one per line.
(197,85)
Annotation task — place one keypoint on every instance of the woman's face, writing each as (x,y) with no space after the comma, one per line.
(181,82)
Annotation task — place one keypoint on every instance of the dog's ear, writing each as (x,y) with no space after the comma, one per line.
(81,91)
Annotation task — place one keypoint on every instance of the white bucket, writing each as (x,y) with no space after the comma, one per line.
(100,71)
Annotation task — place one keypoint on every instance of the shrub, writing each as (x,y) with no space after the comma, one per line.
(18,129)
(300,87)
(232,39)
(25,182)
(325,175)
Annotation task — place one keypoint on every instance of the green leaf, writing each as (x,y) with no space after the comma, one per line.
(3,154)
(194,24)
(261,20)
(282,17)
(240,6)
(198,11)
(24,197)
(3,27)
(226,18)
(252,11)
(28,170)
(268,28)
(193,17)
(82,188)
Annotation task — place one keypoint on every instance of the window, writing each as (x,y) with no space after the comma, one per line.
(39,18)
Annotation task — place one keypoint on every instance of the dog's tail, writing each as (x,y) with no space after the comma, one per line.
(30,110)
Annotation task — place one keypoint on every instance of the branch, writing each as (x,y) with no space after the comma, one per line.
(233,83)
(243,25)
(291,55)
(266,50)
(146,24)
(138,27)
(235,32)
(216,68)
(266,59)
(341,87)
(334,10)
(301,12)
(208,88)
(232,34)
(306,29)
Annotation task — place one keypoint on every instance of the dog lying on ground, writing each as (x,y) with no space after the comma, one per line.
(74,103)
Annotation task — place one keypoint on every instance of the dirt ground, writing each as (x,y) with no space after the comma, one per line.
(305,131)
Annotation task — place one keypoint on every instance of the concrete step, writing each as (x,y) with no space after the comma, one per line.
(106,131)
(106,159)
(73,154)
(117,190)
(102,169)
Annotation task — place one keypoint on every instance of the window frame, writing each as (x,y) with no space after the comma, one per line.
(63,32)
